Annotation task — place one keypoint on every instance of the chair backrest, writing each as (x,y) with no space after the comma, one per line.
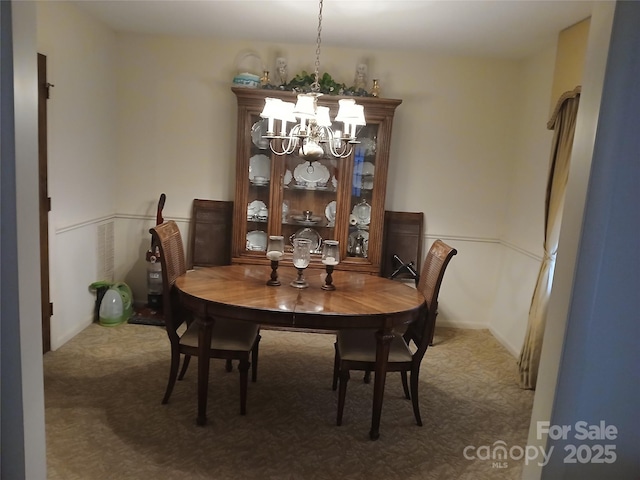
(211,233)
(169,240)
(431,276)
(402,236)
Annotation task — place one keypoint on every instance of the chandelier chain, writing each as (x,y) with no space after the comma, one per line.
(314,136)
(315,86)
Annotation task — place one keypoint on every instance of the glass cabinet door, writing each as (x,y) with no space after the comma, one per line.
(362,192)
(309,194)
(257,201)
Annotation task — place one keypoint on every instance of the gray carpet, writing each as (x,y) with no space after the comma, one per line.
(104,419)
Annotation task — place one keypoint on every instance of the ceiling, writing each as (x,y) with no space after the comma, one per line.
(505,29)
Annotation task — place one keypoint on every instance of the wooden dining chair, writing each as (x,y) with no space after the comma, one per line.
(230,339)
(210,238)
(356,349)
(210,235)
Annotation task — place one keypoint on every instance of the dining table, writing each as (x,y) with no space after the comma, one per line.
(240,292)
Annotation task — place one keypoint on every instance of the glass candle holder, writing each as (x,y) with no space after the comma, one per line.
(330,258)
(301,259)
(275,252)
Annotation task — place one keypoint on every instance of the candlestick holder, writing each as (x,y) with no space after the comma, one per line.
(330,258)
(273,281)
(328,281)
(301,259)
(275,252)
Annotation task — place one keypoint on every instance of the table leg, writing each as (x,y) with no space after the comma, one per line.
(383,342)
(204,342)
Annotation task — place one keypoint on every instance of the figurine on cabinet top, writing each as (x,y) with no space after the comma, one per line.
(281,71)
(360,80)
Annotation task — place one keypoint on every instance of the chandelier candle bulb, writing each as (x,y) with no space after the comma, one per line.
(311,124)
(330,261)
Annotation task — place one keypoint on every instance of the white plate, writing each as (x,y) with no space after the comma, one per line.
(313,174)
(311,234)
(254,208)
(352,241)
(260,128)
(287,177)
(260,166)
(368,168)
(368,145)
(248,60)
(367,184)
(330,212)
(257,240)
(362,213)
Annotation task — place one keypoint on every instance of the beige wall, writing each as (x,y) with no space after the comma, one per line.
(524,210)
(453,144)
(82,156)
(466,150)
(572,47)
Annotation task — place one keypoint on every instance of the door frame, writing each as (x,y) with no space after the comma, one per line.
(44,202)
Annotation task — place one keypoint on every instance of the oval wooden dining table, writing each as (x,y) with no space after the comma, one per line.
(240,292)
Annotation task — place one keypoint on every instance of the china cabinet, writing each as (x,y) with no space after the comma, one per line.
(329,198)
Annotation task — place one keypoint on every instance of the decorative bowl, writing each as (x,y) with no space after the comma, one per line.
(246,80)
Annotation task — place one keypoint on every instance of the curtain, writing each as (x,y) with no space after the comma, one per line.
(563,123)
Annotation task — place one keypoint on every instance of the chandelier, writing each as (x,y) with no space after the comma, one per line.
(311,126)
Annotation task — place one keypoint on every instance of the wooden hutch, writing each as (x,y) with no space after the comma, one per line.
(333,198)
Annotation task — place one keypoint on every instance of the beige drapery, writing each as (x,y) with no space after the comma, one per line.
(563,123)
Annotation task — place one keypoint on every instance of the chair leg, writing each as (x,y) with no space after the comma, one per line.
(405,385)
(185,365)
(342,393)
(228,365)
(414,396)
(433,331)
(244,380)
(173,374)
(367,376)
(336,365)
(254,360)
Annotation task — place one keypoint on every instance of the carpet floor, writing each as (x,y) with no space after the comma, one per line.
(104,419)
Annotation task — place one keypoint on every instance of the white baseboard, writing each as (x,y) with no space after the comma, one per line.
(513,350)
(59,341)
(503,341)
(459,324)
